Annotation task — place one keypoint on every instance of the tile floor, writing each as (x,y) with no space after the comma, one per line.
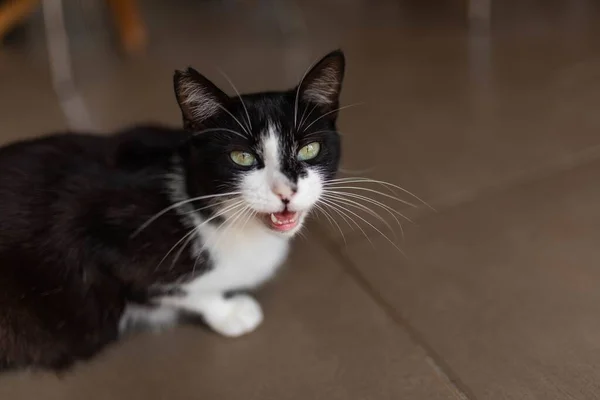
(495,296)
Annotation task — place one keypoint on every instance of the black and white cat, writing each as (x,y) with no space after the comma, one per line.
(97,232)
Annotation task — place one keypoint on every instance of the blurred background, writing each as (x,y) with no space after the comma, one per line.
(485,109)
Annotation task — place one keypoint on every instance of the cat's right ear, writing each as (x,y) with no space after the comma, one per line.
(323,83)
(198,98)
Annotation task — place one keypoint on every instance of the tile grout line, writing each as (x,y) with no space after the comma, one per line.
(433,358)
(460,395)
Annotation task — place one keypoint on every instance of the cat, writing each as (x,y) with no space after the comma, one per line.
(101,232)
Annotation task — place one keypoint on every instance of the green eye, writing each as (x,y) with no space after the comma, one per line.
(243,158)
(309,151)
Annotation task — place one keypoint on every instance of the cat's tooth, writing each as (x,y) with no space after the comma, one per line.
(273,219)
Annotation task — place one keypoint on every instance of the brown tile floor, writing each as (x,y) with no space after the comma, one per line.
(504,288)
(495,296)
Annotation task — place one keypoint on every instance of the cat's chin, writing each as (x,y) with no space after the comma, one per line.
(285,223)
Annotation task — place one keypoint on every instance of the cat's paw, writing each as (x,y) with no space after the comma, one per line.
(244,315)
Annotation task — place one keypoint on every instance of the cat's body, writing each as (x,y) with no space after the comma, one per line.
(97,232)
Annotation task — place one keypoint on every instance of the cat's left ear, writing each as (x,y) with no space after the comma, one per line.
(198,98)
(322,85)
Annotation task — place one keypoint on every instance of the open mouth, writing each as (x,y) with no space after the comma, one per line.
(283,221)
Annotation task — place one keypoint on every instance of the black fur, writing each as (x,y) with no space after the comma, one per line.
(71,205)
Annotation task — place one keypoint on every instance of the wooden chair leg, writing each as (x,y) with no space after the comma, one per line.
(13,12)
(130,25)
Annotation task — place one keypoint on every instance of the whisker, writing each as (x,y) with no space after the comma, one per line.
(190,233)
(386,187)
(298,92)
(230,222)
(318,132)
(348,180)
(190,237)
(363,207)
(332,221)
(240,97)
(384,183)
(217,230)
(327,215)
(389,209)
(251,214)
(372,226)
(235,119)
(302,120)
(372,191)
(338,213)
(220,129)
(196,262)
(195,210)
(302,235)
(231,219)
(331,112)
(223,211)
(194,230)
(178,204)
(340,210)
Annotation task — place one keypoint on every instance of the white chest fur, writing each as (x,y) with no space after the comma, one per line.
(241,257)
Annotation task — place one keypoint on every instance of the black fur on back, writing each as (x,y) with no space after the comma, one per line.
(69,205)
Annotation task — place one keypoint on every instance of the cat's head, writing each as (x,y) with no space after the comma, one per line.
(272,151)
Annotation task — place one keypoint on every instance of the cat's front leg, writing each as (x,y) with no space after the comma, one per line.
(229,316)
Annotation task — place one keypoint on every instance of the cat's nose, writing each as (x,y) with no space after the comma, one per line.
(284,192)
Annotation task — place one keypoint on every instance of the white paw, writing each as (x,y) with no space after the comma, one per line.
(243,316)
